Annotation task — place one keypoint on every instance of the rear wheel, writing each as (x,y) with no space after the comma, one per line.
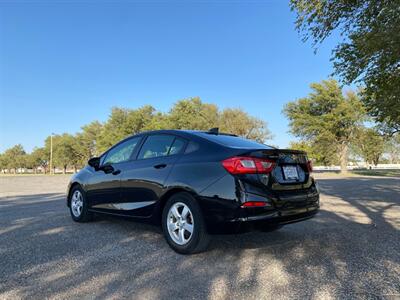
(78,205)
(183,224)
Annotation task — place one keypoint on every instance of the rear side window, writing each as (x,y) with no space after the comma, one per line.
(233,141)
(191,147)
(161,145)
(177,146)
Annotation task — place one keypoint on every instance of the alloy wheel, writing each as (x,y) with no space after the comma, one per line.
(77,203)
(180,223)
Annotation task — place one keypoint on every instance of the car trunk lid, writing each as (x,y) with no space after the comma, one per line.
(291,171)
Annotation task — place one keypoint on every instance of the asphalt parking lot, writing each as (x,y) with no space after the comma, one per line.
(350,250)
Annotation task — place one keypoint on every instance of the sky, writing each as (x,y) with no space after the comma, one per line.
(66,63)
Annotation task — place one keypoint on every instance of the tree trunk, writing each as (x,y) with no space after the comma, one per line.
(343,158)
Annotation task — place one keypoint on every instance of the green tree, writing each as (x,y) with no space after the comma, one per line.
(124,122)
(3,162)
(87,142)
(189,113)
(326,118)
(65,151)
(95,137)
(392,148)
(15,158)
(319,151)
(39,158)
(369,145)
(241,123)
(369,51)
(193,114)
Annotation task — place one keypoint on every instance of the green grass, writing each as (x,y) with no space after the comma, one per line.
(388,172)
(361,172)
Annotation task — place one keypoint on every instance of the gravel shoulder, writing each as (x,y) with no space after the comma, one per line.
(350,249)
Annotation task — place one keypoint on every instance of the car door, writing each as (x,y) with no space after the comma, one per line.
(142,181)
(104,186)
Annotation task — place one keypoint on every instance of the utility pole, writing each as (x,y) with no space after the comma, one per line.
(51,153)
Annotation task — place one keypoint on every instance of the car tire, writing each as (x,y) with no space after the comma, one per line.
(78,205)
(183,224)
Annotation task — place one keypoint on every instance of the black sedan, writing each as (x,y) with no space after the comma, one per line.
(195,183)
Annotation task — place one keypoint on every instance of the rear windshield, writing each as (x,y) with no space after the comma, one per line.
(233,141)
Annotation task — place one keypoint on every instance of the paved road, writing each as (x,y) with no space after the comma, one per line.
(351,249)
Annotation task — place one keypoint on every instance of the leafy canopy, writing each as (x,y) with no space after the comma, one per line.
(189,113)
(14,157)
(65,150)
(94,138)
(326,120)
(370,145)
(392,149)
(38,158)
(370,49)
(326,112)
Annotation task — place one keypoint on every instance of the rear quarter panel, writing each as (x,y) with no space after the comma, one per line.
(202,174)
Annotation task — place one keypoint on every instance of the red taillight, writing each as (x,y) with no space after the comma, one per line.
(254,204)
(309,166)
(248,165)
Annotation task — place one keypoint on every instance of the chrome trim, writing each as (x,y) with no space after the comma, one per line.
(125,205)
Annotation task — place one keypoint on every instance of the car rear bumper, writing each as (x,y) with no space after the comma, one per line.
(241,225)
(281,217)
(289,208)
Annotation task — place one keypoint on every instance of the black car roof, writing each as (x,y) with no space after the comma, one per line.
(209,137)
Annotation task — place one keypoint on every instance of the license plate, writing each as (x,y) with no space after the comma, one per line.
(290,172)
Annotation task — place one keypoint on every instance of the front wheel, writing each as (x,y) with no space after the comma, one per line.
(78,205)
(183,224)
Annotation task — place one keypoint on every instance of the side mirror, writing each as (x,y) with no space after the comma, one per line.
(107,169)
(94,162)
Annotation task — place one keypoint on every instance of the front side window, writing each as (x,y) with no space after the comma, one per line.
(122,152)
(160,145)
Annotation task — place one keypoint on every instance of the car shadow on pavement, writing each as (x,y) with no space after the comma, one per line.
(348,250)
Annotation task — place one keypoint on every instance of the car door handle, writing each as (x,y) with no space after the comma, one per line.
(116,172)
(160,166)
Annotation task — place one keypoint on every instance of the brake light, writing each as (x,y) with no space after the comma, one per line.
(309,166)
(248,165)
(254,204)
